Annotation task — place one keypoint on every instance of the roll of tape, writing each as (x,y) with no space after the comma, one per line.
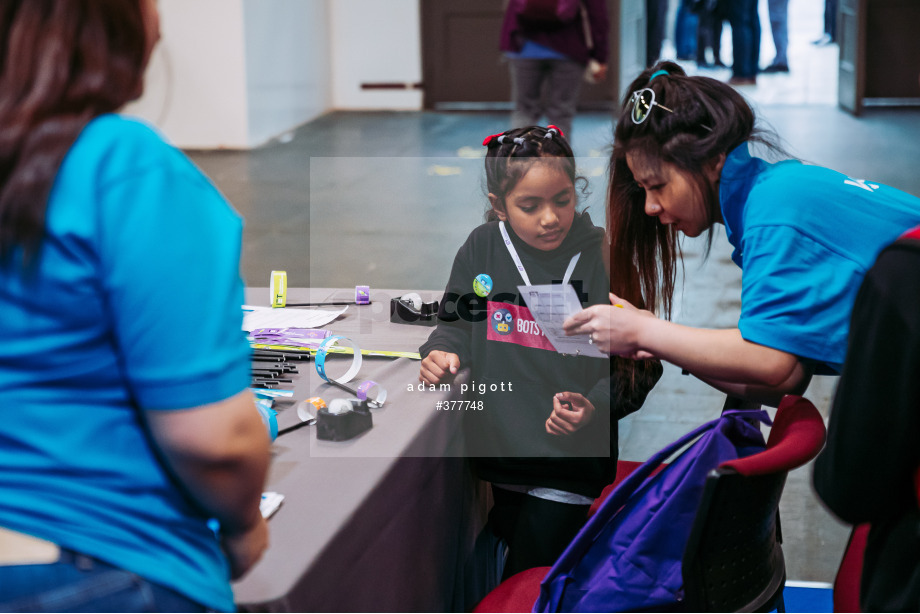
(362,295)
(307,410)
(340,406)
(372,392)
(414,299)
(323,350)
(278,289)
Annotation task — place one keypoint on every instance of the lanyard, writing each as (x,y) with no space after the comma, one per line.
(520,265)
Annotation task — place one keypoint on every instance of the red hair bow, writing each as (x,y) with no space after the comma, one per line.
(490,137)
(556,128)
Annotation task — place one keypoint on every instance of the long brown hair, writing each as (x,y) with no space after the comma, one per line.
(707,118)
(62,63)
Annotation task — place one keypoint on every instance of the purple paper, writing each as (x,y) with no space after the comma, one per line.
(288,336)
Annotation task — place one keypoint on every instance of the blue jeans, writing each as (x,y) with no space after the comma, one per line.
(545,87)
(656,12)
(745,37)
(709,36)
(685,27)
(78,583)
(779,17)
(830,18)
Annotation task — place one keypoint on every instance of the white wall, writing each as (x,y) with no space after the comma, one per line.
(235,73)
(196,87)
(375,41)
(287,64)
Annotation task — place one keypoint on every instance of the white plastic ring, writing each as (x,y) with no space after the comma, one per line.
(324,349)
(374,393)
(308,409)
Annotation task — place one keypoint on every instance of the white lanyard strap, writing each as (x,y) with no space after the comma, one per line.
(514,254)
(520,265)
(568,271)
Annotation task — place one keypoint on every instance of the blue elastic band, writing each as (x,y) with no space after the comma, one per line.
(655,74)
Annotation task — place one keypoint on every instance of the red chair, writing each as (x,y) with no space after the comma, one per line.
(849,574)
(624,468)
(733,560)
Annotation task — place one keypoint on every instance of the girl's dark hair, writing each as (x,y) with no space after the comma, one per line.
(511,154)
(709,118)
(62,63)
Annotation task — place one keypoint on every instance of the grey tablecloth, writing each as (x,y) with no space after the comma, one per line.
(384,522)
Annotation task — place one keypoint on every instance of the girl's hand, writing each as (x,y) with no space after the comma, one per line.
(613,328)
(437,366)
(571,411)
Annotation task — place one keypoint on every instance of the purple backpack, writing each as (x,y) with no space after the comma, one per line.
(546,12)
(628,555)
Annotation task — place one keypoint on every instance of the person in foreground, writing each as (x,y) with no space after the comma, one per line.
(544,433)
(802,234)
(868,472)
(126,421)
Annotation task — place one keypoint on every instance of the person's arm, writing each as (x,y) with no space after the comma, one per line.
(722,357)
(726,361)
(796,383)
(220,454)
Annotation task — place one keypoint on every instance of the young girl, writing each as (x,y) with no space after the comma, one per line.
(546,434)
(804,236)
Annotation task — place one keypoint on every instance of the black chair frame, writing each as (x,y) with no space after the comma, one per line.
(734,561)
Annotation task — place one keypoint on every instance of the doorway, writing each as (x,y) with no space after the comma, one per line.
(463,69)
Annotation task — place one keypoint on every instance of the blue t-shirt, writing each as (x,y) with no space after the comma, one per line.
(804,237)
(136,305)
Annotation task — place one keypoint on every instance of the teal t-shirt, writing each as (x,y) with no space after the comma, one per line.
(136,305)
(804,237)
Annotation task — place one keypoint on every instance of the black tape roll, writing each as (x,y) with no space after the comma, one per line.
(346,425)
(402,311)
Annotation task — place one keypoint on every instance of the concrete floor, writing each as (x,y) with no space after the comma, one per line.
(386,198)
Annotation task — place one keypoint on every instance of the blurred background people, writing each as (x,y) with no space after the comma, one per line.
(779,27)
(830,24)
(685,30)
(656,15)
(548,55)
(745,24)
(710,15)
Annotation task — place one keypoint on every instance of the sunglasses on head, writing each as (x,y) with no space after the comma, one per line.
(642,102)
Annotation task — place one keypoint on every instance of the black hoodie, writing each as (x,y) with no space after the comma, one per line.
(515,376)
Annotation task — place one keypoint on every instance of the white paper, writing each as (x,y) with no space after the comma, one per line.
(550,305)
(269,317)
